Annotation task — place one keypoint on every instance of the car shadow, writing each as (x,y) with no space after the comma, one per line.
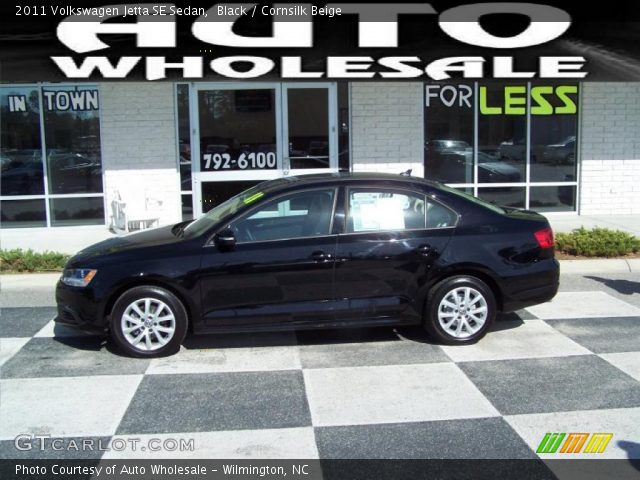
(632,449)
(82,341)
(331,336)
(291,338)
(625,287)
(87,341)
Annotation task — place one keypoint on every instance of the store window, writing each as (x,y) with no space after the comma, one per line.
(514,145)
(449,133)
(184,149)
(50,132)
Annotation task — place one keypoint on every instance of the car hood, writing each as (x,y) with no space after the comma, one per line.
(499,167)
(146,238)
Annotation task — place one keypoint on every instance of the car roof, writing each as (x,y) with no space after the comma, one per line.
(339,177)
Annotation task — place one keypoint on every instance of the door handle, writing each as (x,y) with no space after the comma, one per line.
(321,256)
(426,249)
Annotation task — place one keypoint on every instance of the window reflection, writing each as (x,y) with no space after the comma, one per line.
(553,199)
(237,130)
(214,193)
(513,197)
(553,143)
(501,140)
(449,133)
(72,132)
(184,138)
(308,114)
(77,211)
(506,116)
(22,213)
(21,167)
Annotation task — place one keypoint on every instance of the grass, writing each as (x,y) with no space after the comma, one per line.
(18,260)
(598,242)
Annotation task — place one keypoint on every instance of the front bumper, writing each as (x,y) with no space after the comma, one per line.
(78,308)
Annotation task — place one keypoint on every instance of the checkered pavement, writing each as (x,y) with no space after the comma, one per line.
(571,365)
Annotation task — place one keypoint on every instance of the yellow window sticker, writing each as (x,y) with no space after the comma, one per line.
(253,198)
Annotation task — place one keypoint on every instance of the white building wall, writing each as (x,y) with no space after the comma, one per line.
(387,127)
(138,130)
(610,148)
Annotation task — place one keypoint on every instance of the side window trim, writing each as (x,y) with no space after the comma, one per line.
(244,215)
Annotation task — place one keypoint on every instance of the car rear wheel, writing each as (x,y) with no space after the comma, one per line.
(460,310)
(148,322)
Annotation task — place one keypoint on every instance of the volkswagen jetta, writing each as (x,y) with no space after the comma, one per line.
(317,251)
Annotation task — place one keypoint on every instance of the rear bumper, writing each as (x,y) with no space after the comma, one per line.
(532,288)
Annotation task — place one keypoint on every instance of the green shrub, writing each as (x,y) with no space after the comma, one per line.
(599,242)
(19,260)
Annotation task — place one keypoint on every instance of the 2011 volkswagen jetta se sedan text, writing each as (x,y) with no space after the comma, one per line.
(317,251)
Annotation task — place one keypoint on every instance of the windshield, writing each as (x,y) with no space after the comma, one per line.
(222,211)
(471,198)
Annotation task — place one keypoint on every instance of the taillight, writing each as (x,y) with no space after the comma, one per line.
(545,238)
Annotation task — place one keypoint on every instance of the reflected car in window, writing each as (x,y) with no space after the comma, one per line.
(494,170)
(452,162)
(315,251)
(21,173)
(75,172)
(512,150)
(562,153)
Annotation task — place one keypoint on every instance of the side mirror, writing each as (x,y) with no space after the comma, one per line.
(225,240)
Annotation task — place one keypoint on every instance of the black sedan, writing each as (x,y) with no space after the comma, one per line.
(318,251)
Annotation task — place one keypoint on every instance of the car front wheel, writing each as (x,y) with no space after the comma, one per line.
(460,310)
(148,321)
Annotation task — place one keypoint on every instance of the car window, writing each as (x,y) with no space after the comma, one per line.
(298,215)
(225,210)
(439,216)
(383,210)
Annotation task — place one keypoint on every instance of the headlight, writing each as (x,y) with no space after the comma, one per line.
(78,277)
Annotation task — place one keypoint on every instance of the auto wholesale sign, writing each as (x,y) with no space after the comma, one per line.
(155,27)
(304,41)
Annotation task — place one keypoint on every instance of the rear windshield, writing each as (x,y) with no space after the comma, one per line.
(476,200)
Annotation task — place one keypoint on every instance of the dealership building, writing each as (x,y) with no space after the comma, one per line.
(84,161)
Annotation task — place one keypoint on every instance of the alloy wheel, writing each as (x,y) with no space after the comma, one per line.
(148,324)
(462,312)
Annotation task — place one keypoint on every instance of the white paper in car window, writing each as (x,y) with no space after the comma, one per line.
(372,212)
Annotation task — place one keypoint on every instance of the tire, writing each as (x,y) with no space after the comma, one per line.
(162,326)
(442,320)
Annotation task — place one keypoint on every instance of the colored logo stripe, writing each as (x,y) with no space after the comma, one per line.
(598,442)
(574,443)
(550,443)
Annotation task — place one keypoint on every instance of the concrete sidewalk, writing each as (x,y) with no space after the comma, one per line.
(568,222)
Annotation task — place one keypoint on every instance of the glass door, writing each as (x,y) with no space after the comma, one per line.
(309,128)
(247,133)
